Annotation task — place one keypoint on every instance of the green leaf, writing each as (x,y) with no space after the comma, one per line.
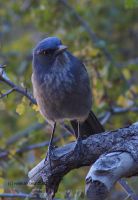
(131,4)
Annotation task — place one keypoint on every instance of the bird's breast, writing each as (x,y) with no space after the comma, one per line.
(60,95)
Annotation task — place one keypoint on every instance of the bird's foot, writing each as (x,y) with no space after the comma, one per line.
(79,150)
(50,155)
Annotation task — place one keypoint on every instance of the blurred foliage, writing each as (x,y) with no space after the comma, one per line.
(114,82)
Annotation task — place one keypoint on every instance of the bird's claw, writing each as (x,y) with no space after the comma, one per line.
(50,155)
(79,150)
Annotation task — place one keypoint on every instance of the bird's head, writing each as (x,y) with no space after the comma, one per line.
(48,49)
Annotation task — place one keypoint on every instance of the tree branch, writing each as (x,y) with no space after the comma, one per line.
(6,93)
(117,111)
(105,172)
(4,78)
(24,196)
(132,61)
(24,133)
(123,140)
(19,195)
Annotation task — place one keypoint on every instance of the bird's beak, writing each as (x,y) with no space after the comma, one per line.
(60,49)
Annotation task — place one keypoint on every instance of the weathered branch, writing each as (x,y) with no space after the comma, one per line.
(123,140)
(105,172)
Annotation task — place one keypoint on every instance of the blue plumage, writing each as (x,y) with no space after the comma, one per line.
(61,87)
(48,43)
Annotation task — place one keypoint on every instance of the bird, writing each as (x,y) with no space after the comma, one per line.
(61,87)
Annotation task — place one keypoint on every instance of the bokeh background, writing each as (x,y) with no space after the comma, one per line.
(104,34)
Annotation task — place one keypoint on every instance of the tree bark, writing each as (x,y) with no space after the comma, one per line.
(114,154)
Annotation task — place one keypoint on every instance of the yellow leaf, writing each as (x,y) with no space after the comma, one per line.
(20,109)
(124,102)
(126,73)
(1,190)
(121,101)
(24,99)
(12,152)
(70,139)
(134,88)
(1,185)
(94,52)
(89,51)
(35,107)
(1,181)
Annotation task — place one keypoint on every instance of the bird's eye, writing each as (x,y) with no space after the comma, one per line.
(44,52)
(50,51)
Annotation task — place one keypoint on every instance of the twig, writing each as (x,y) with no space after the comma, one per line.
(106,117)
(128,189)
(24,133)
(5,153)
(7,93)
(20,90)
(19,195)
(133,61)
(40,145)
(114,110)
(117,111)
(24,92)
(4,78)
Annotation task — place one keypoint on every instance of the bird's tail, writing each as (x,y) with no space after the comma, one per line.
(89,127)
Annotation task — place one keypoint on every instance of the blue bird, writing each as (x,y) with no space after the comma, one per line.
(62,89)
